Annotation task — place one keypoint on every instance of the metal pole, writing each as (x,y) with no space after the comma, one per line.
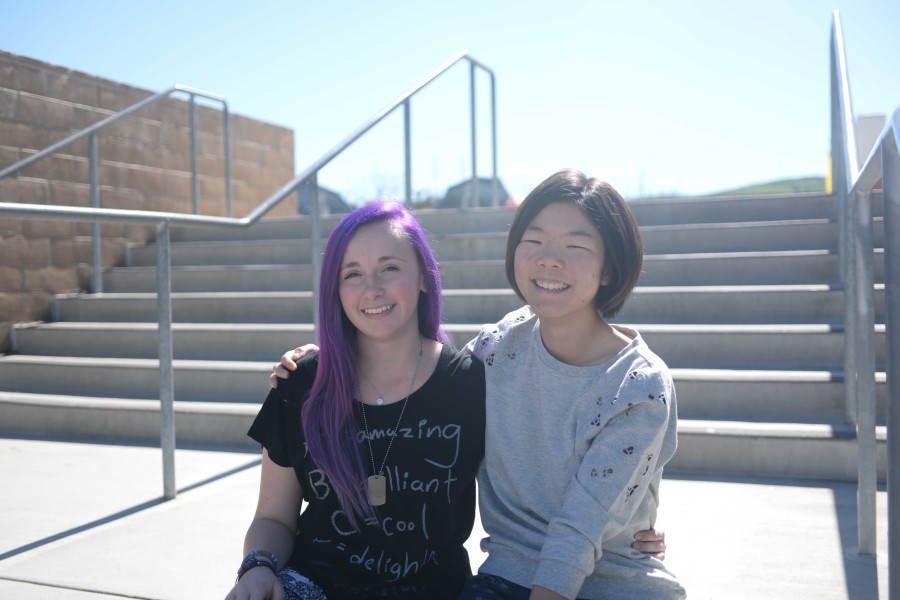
(195,184)
(845,219)
(495,187)
(314,246)
(97,240)
(891,184)
(166,382)
(473,195)
(229,194)
(865,381)
(407,156)
(851,335)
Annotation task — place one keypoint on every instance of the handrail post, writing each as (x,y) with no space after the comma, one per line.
(845,239)
(407,156)
(890,160)
(865,380)
(96,240)
(229,193)
(166,382)
(851,322)
(473,195)
(858,278)
(315,236)
(495,186)
(195,184)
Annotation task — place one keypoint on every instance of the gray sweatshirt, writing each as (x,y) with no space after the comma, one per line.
(573,461)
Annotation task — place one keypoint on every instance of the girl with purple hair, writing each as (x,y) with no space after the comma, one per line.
(381,434)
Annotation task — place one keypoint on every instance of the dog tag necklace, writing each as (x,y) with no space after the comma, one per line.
(377,484)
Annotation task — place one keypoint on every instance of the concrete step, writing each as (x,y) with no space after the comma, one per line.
(811,234)
(767,347)
(239,252)
(796,450)
(722,268)
(655,211)
(754,304)
(216,423)
(808,234)
(275,278)
(191,341)
(459,246)
(200,380)
(775,304)
(758,395)
(770,347)
(803,450)
(748,268)
(725,209)
(452,247)
(703,393)
(434,221)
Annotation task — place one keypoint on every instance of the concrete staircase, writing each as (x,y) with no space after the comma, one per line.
(740,296)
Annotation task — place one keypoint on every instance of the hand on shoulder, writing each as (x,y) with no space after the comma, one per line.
(288,363)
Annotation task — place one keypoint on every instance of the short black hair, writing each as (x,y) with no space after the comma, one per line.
(608,211)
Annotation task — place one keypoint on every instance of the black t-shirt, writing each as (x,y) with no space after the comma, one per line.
(415,550)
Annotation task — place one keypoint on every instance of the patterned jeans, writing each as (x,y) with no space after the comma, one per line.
(298,587)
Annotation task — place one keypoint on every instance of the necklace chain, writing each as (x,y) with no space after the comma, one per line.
(379,400)
(400,418)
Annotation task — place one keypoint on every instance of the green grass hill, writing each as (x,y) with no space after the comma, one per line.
(782,186)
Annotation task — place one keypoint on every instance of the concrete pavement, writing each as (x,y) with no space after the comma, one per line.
(85,521)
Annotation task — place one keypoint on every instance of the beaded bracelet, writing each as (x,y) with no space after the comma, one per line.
(251,561)
(250,564)
(265,554)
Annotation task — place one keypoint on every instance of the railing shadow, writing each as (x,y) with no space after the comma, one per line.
(860,571)
(133,509)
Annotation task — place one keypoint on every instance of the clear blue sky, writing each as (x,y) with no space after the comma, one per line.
(655,96)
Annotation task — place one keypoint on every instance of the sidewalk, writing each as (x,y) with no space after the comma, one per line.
(85,521)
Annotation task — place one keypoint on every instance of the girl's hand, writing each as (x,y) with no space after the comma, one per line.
(282,370)
(542,593)
(259,583)
(652,542)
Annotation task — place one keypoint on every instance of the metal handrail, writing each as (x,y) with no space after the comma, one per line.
(91,134)
(106,122)
(853,186)
(402,100)
(163,221)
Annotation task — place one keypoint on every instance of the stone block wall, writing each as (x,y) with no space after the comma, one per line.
(144,163)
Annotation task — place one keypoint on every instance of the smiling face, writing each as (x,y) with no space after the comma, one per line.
(559,263)
(379,282)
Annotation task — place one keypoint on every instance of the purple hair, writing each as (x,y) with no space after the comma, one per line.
(329,423)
